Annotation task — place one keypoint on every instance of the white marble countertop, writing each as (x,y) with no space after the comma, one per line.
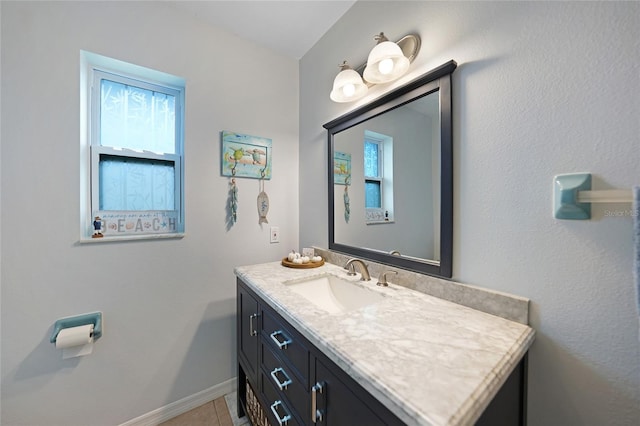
(429,361)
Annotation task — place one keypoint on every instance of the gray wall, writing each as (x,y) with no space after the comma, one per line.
(542,88)
(169,306)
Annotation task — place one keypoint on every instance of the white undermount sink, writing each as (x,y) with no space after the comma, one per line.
(334,294)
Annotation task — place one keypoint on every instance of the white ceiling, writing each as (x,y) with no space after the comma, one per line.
(290,27)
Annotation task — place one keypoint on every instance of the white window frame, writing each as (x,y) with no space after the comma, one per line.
(380,176)
(384,214)
(95,68)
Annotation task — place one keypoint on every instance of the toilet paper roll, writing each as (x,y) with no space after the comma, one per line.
(75,341)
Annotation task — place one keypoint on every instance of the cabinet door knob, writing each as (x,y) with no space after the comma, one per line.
(316,414)
(282,345)
(281,420)
(281,385)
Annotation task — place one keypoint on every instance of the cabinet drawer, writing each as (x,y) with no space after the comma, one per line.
(274,402)
(292,388)
(287,344)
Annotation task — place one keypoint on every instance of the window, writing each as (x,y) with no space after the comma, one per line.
(136,151)
(378,177)
(372,174)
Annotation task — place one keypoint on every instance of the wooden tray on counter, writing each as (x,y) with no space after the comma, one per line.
(285,262)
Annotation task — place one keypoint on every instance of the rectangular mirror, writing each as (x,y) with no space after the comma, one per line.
(391,177)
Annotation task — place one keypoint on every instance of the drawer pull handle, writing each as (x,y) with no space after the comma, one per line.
(281,385)
(281,420)
(252,331)
(284,343)
(316,414)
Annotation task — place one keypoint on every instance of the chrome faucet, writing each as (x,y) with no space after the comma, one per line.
(350,266)
(382,281)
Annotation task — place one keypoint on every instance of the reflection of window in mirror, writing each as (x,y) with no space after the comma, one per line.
(378,177)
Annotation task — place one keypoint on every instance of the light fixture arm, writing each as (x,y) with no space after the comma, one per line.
(344,66)
(380,38)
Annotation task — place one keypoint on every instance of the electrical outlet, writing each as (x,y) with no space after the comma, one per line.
(275,234)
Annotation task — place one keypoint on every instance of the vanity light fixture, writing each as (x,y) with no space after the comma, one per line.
(387,62)
(348,85)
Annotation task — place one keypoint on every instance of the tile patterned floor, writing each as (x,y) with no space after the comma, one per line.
(220,412)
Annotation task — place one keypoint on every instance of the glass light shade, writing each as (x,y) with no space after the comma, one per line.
(348,86)
(386,63)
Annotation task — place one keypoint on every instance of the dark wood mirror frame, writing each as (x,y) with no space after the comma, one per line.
(438,79)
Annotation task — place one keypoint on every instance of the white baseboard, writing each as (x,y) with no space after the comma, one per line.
(183,405)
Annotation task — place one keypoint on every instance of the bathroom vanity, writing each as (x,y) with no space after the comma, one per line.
(403,357)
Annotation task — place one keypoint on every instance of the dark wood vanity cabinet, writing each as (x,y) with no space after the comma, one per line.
(287,374)
(296,384)
(271,360)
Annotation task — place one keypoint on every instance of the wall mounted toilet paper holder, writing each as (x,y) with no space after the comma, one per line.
(94,318)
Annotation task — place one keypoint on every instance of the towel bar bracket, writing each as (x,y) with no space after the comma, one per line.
(572,196)
(565,196)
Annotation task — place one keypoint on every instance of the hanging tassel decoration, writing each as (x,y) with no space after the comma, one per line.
(233,201)
(347,208)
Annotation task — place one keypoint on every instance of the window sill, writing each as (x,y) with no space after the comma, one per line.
(379,222)
(89,240)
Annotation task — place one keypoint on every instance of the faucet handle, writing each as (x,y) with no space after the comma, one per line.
(351,269)
(382,281)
